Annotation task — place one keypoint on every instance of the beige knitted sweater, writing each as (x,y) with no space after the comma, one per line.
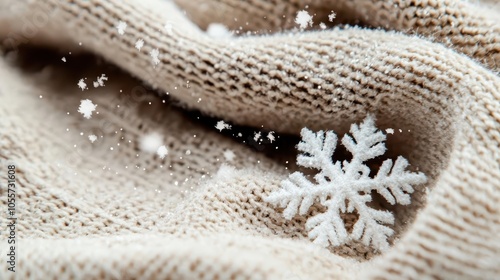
(106,210)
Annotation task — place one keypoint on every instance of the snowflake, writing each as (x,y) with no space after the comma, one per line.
(332,16)
(222,125)
(217,30)
(256,136)
(92,138)
(63,59)
(169,27)
(100,81)
(270,136)
(345,187)
(162,151)
(229,155)
(139,44)
(322,26)
(389,131)
(86,108)
(81,84)
(121,26)
(154,56)
(303,19)
(151,142)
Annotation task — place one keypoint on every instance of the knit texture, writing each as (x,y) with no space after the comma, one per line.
(106,210)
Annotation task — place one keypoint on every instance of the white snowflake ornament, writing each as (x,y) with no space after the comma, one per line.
(345,187)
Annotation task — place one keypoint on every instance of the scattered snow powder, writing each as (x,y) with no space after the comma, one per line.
(331,16)
(92,138)
(139,44)
(151,142)
(222,125)
(121,26)
(82,84)
(229,155)
(162,151)
(217,30)
(322,26)
(86,108)
(100,81)
(303,19)
(389,131)
(64,59)
(270,136)
(154,55)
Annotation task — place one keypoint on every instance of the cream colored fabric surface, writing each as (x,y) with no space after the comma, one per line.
(429,68)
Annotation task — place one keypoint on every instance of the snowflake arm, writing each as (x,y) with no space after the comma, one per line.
(296,191)
(327,227)
(399,182)
(371,228)
(368,141)
(317,149)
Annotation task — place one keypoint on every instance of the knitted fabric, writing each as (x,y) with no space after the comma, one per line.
(106,210)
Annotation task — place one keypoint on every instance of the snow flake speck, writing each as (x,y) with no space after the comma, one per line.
(256,136)
(162,151)
(81,84)
(229,155)
(121,26)
(217,30)
(86,108)
(270,136)
(155,53)
(100,81)
(389,131)
(221,125)
(303,19)
(151,142)
(92,138)
(332,16)
(346,186)
(139,44)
